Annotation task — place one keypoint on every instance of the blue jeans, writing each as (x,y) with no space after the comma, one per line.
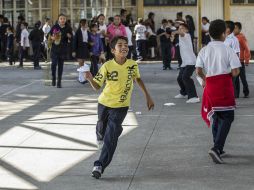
(222,121)
(108,129)
(57,61)
(141,49)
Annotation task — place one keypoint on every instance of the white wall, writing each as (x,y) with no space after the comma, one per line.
(170,13)
(212,9)
(244,14)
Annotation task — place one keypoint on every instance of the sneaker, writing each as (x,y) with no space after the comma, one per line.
(222,153)
(100,144)
(180,96)
(215,155)
(193,100)
(96,173)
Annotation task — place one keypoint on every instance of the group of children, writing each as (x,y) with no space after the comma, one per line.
(217,65)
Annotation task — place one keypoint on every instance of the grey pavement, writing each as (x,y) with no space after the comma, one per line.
(47,137)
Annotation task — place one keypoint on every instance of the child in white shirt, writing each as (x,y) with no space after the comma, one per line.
(187,67)
(140,32)
(24,43)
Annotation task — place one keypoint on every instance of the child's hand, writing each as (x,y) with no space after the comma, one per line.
(150,103)
(88,76)
(68,35)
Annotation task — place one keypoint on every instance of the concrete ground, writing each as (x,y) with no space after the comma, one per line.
(47,137)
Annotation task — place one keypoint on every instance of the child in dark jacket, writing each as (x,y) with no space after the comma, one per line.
(97,50)
(10,45)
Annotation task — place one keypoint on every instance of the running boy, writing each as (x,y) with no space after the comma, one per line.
(114,101)
(220,63)
(187,86)
(244,59)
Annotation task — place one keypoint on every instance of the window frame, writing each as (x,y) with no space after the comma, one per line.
(168,4)
(246,3)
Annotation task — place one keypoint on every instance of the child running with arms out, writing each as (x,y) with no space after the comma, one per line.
(216,64)
(114,101)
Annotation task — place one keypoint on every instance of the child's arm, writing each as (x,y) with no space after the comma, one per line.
(235,72)
(149,100)
(182,34)
(200,73)
(89,77)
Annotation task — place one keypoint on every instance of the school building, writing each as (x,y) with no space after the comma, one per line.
(34,10)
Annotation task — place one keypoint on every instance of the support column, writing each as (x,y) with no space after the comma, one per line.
(226,9)
(55,10)
(140,5)
(199,24)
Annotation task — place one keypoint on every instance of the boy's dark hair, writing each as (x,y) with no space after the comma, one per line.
(206,19)
(82,21)
(239,25)
(140,20)
(25,24)
(117,16)
(47,19)
(217,28)
(164,21)
(115,40)
(61,14)
(122,11)
(111,19)
(185,26)
(150,15)
(10,28)
(21,17)
(92,25)
(100,16)
(231,25)
(5,20)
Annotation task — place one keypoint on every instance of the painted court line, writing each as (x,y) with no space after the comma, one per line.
(24,86)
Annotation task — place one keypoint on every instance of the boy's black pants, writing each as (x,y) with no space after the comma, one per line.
(22,54)
(185,81)
(94,64)
(222,121)
(236,80)
(36,53)
(166,55)
(108,129)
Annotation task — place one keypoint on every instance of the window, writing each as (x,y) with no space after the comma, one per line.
(78,9)
(170,2)
(242,1)
(31,10)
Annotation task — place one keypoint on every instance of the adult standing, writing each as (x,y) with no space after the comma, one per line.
(60,35)
(191,26)
(150,21)
(80,47)
(205,31)
(36,38)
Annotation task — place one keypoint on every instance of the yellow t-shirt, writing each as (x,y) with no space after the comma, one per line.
(119,83)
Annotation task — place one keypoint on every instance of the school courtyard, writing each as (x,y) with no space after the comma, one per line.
(47,137)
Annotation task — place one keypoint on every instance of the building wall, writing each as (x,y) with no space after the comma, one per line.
(212,9)
(169,12)
(244,14)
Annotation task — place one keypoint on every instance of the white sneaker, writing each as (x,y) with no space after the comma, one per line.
(180,96)
(193,101)
(96,173)
(100,144)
